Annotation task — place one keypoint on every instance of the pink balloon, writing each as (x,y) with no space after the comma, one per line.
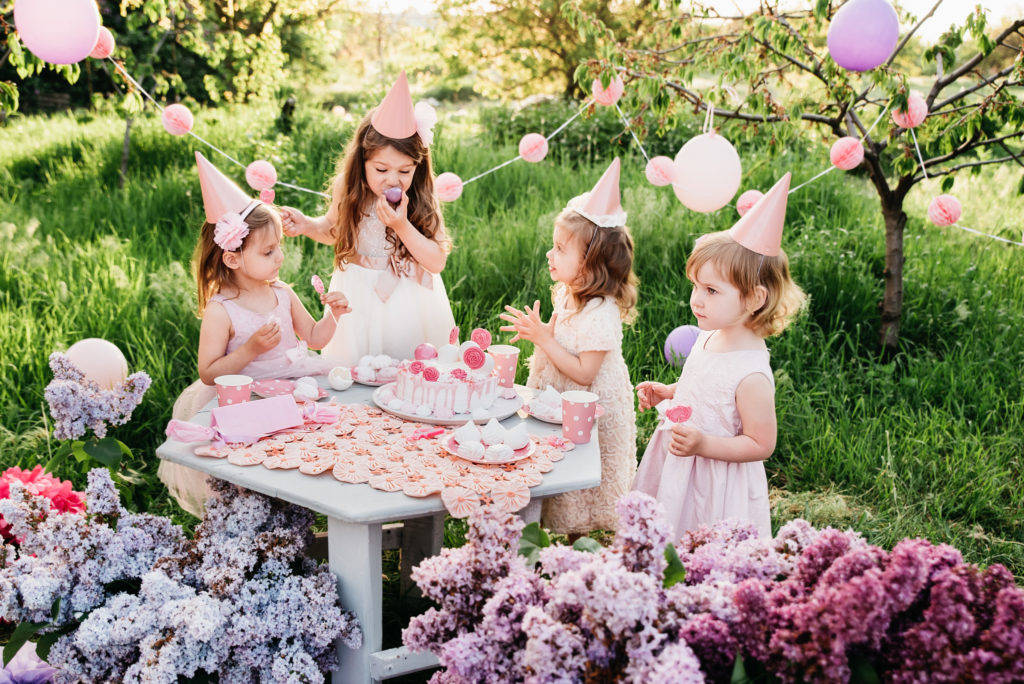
(533,147)
(610,95)
(708,172)
(58,31)
(846,153)
(101,361)
(944,210)
(104,46)
(863,34)
(747,200)
(260,175)
(660,171)
(448,187)
(177,119)
(913,115)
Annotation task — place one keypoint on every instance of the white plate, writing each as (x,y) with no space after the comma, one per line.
(450,444)
(558,421)
(500,409)
(369,384)
(278,387)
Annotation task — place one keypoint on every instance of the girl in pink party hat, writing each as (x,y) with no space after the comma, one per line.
(580,347)
(705,462)
(252,322)
(390,243)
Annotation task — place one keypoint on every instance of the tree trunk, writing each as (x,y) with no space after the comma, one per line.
(892,302)
(123,177)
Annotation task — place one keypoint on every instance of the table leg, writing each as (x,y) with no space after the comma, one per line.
(421,538)
(531,514)
(353,554)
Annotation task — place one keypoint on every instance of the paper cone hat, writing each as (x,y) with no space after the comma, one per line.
(394,117)
(220,194)
(760,229)
(603,205)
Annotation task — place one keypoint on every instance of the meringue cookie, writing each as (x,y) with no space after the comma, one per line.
(396,404)
(365,360)
(448,353)
(423,410)
(488,365)
(304,392)
(383,361)
(306,380)
(467,433)
(498,453)
(364,373)
(550,397)
(340,378)
(387,374)
(517,437)
(492,433)
(472,451)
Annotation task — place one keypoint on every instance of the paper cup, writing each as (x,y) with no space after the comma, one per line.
(579,410)
(233,389)
(506,359)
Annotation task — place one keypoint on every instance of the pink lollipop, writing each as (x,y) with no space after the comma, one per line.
(318,284)
(679,414)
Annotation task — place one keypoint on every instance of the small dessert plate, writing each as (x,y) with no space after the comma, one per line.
(278,387)
(451,445)
(558,421)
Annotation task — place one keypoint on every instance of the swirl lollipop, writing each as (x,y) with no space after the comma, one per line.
(318,285)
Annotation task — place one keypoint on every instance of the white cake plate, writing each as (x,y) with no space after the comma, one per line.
(500,409)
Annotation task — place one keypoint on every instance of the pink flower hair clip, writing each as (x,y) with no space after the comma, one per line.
(229,232)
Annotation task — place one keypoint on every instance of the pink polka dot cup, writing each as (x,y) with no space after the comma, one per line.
(506,359)
(579,411)
(233,389)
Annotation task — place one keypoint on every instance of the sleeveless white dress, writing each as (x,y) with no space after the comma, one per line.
(695,490)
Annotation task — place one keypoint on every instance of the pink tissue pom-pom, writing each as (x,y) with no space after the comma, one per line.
(260,175)
(425,351)
(679,414)
(474,357)
(482,337)
(747,200)
(177,119)
(318,284)
(944,210)
(913,115)
(533,147)
(846,153)
(448,187)
(104,46)
(431,374)
(610,95)
(660,171)
(267,196)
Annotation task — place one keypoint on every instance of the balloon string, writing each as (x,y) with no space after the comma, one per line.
(806,182)
(481,175)
(919,158)
(994,237)
(629,128)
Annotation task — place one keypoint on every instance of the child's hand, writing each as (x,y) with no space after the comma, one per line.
(265,339)
(652,393)
(392,217)
(527,325)
(337,302)
(686,440)
(293,221)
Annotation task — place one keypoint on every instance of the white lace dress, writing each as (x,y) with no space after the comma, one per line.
(394,306)
(597,328)
(695,490)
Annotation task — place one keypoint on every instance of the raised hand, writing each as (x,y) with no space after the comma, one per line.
(392,217)
(294,222)
(527,324)
(266,338)
(337,302)
(652,393)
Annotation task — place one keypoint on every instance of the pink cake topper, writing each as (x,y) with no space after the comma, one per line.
(481,337)
(431,374)
(453,336)
(416,367)
(474,357)
(425,351)
(318,284)
(679,414)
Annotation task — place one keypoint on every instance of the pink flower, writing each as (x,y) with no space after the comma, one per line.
(39,482)
(481,337)
(459,374)
(679,414)
(431,374)
(474,357)
(416,367)
(230,231)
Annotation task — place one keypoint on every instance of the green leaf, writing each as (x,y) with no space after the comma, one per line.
(46,641)
(107,451)
(862,671)
(587,545)
(22,633)
(533,540)
(821,9)
(1020,186)
(674,572)
(63,451)
(739,671)
(947,183)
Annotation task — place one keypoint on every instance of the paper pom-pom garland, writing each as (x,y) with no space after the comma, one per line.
(177,119)
(610,95)
(708,172)
(747,200)
(533,147)
(913,115)
(944,210)
(260,175)
(863,34)
(847,153)
(660,171)
(104,46)
(58,31)
(448,187)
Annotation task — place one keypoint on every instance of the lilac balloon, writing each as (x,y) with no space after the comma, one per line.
(863,34)
(679,343)
(58,31)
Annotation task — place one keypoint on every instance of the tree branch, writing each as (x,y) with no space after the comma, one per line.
(951,77)
(967,91)
(954,169)
(910,33)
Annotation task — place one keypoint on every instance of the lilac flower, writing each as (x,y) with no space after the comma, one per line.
(79,405)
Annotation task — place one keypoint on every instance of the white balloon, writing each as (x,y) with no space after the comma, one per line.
(708,173)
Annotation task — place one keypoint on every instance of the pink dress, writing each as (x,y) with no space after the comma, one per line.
(695,490)
(597,328)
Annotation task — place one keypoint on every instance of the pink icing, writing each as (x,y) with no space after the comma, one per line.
(474,357)
(431,374)
(416,367)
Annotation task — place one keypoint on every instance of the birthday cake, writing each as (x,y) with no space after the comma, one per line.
(446,381)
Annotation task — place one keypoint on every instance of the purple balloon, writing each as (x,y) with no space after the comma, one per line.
(679,343)
(863,34)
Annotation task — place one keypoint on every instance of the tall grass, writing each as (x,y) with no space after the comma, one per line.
(928,443)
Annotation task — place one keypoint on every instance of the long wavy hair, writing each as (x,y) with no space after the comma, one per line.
(607,269)
(350,194)
(208,258)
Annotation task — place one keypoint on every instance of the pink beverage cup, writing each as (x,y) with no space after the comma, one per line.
(506,358)
(579,410)
(233,389)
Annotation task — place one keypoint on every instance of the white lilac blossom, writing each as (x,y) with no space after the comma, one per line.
(800,605)
(144,604)
(79,405)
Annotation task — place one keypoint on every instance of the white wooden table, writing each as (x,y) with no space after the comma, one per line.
(356,514)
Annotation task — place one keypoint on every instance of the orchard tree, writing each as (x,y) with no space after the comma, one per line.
(778,62)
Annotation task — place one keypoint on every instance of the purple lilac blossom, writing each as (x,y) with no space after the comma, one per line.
(79,405)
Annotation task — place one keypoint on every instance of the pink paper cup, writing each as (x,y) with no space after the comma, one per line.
(579,409)
(506,359)
(233,389)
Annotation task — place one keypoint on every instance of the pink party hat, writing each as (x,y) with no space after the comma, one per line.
(394,117)
(760,229)
(602,205)
(220,194)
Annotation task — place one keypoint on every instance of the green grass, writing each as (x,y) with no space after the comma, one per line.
(928,443)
